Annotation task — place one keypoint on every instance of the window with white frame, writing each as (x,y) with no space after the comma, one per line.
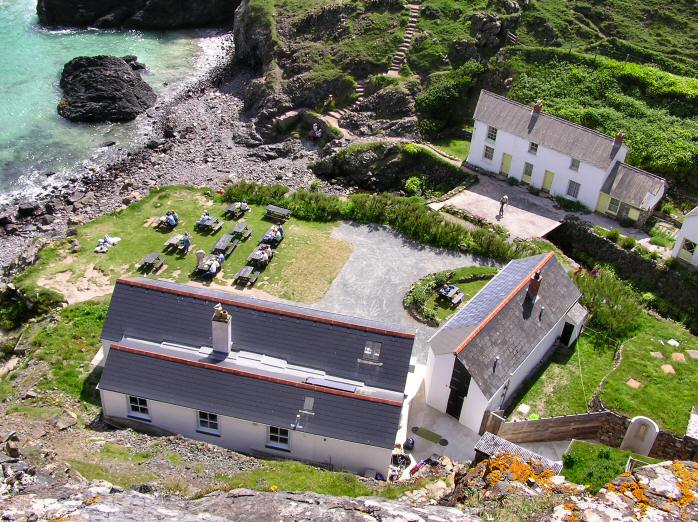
(208,422)
(573,189)
(491,133)
(138,407)
(277,437)
(489,153)
(372,351)
(613,206)
(689,246)
(574,164)
(532,148)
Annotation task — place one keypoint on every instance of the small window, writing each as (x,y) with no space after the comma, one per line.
(308,403)
(532,148)
(574,164)
(372,351)
(208,422)
(689,246)
(491,133)
(489,152)
(278,438)
(138,407)
(528,170)
(613,206)
(573,189)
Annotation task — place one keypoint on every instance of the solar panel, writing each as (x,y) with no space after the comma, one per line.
(325,383)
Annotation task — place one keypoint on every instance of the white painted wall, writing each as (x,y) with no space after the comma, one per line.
(527,366)
(245,436)
(474,407)
(589,177)
(438,379)
(689,230)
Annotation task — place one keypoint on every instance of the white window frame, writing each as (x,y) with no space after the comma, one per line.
(617,205)
(491,133)
(138,407)
(484,153)
(576,192)
(205,420)
(532,147)
(574,164)
(275,437)
(372,351)
(686,243)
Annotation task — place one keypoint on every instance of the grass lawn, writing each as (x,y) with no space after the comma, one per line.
(456,147)
(444,310)
(288,475)
(595,465)
(308,252)
(569,379)
(125,477)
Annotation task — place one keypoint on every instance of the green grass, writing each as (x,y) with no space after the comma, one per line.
(36,412)
(122,453)
(443,310)
(174,459)
(595,465)
(289,475)
(124,477)
(66,272)
(456,147)
(657,389)
(661,237)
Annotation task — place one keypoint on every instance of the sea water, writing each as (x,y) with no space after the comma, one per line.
(34,139)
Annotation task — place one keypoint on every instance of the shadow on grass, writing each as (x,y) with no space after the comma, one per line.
(89,392)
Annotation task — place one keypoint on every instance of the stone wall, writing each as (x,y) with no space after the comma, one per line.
(577,239)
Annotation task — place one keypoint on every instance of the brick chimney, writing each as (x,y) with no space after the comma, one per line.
(533,286)
(619,137)
(538,107)
(221,330)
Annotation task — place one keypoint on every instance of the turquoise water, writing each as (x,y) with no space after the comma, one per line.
(33,138)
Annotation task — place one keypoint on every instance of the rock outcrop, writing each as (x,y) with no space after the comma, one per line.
(103,88)
(138,14)
(254,36)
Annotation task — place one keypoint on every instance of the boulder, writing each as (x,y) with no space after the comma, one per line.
(139,14)
(253,36)
(389,103)
(102,88)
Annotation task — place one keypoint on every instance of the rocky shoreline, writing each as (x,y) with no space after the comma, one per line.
(201,137)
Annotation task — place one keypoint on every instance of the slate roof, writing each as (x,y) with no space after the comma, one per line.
(159,311)
(500,322)
(632,185)
(491,445)
(549,131)
(174,381)
(693,213)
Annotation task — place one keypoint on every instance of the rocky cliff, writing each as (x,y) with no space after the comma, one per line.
(139,14)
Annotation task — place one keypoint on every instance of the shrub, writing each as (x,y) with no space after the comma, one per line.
(627,242)
(533,190)
(512,181)
(668,208)
(571,205)
(315,186)
(413,186)
(627,223)
(255,193)
(613,235)
(660,237)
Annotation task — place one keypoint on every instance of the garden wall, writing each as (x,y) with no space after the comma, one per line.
(576,237)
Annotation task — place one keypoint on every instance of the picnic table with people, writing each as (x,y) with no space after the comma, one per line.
(179,242)
(274,235)
(208,265)
(278,214)
(246,275)
(208,223)
(261,255)
(236,210)
(168,221)
(226,245)
(152,261)
(452,293)
(241,231)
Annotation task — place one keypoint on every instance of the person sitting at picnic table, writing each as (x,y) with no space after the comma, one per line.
(221,258)
(244,206)
(213,267)
(171,218)
(186,242)
(204,217)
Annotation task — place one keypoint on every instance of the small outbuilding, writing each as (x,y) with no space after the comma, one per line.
(687,239)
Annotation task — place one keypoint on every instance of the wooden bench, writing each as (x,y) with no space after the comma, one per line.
(255,276)
(277,214)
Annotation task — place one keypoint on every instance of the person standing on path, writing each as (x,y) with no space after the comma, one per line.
(502,202)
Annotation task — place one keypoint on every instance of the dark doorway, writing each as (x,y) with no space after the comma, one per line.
(567,334)
(460,382)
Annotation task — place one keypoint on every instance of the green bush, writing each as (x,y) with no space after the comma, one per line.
(571,205)
(668,208)
(39,301)
(533,190)
(255,193)
(627,242)
(413,186)
(512,181)
(613,235)
(627,223)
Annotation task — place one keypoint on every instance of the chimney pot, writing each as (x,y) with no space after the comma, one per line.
(221,330)
(534,286)
(619,137)
(538,107)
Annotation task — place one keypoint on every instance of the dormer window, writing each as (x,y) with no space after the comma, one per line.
(491,133)
(372,351)
(574,164)
(532,148)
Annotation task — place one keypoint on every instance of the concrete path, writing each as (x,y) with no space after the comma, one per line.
(382,267)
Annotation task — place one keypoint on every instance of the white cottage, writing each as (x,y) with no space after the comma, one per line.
(254,376)
(480,358)
(561,158)
(685,247)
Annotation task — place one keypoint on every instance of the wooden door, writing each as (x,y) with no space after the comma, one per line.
(506,164)
(548,181)
(460,382)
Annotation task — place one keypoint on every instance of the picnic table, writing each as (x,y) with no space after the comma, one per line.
(209,223)
(152,261)
(246,275)
(206,261)
(261,256)
(242,231)
(235,211)
(452,293)
(272,236)
(163,224)
(278,214)
(174,241)
(225,245)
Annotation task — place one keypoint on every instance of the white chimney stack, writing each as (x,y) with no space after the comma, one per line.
(222,333)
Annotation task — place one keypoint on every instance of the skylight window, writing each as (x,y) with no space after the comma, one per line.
(372,351)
